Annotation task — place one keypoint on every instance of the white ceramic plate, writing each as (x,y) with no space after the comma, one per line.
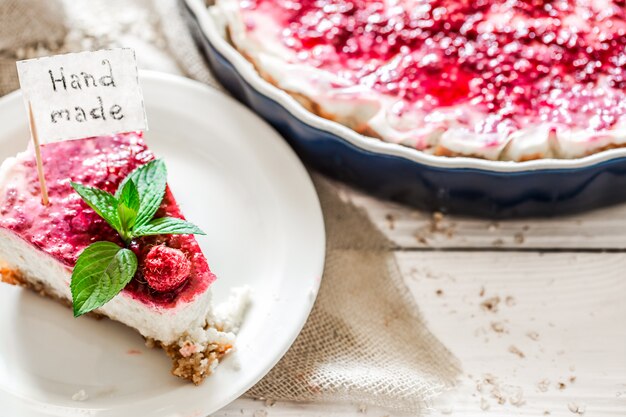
(239,181)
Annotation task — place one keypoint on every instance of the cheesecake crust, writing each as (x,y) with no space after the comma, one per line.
(192,365)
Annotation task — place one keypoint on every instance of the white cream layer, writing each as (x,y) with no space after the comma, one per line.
(164,325)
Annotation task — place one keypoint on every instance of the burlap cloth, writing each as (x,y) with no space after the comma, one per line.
(365,340)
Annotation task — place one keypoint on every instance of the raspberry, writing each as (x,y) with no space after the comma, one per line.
(165,268)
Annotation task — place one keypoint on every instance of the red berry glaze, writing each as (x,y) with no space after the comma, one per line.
(165,268)
(516,62)
(67,226)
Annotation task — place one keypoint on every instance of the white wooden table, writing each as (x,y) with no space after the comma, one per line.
(535,311)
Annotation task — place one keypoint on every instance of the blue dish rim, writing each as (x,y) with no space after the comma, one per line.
(211,30)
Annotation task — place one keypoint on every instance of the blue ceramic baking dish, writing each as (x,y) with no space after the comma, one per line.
(495,189)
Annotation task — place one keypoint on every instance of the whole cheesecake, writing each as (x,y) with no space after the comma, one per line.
(500,80)
(168,300)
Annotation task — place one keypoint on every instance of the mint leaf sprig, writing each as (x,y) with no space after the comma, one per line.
(103,269)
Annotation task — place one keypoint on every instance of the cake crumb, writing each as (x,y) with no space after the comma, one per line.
(391,221)
(270,403)
(260,413)
(517,397)
(515,350)
(439,292)
(510,301)
(230,314)
(497,242)
(80,396)
(187,349)
(481,293)
(362,409)
(576,408)
(519,238)
(543,385)
(561,385)
(502,393)
(498,327)
(533,335)
(437,225)
(572,379)
(491,304)
(497,394)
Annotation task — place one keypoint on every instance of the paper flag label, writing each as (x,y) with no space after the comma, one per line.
(83,94)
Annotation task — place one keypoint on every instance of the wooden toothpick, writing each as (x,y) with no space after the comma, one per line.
(42,180)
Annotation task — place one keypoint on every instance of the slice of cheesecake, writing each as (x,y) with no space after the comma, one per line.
(168,300)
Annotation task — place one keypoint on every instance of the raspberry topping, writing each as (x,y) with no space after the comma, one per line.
(165,268)
(519,62)
(67,226)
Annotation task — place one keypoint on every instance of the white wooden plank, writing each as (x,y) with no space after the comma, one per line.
(253,408)
(411,228)
(563,312)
